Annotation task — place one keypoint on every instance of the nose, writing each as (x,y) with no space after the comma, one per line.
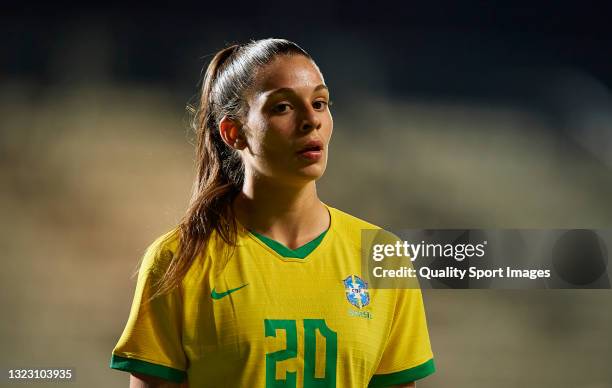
(310,120)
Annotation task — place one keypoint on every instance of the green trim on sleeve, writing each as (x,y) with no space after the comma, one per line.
(404,376)
(147,368)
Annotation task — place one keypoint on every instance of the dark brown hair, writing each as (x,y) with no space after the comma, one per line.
(219,168)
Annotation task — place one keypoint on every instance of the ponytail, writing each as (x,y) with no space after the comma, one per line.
(219,168)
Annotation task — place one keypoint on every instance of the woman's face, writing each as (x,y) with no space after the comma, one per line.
(289,125)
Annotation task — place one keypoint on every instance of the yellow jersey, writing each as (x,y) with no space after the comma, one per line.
(249,316)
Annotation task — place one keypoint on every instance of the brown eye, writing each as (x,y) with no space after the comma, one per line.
(281,108)
(319,105)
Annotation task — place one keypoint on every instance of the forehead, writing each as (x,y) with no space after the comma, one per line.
(295,72)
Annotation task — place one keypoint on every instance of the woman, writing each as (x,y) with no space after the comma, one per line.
(260,285)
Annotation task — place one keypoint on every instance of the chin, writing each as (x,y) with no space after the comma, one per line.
(313,172)
(308,173)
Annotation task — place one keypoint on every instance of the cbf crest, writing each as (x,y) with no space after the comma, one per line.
(356,291)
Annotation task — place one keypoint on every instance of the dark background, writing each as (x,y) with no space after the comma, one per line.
(447,114)
(439,48)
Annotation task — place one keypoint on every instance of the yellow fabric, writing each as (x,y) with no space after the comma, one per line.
(223,341)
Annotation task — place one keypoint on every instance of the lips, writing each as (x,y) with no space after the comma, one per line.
(311,151)
(312,146)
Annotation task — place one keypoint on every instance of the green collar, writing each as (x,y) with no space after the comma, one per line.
(282,250)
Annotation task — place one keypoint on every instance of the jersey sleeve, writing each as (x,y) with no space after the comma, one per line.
(151,341)
(407,356)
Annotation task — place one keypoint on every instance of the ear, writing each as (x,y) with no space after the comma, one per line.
(231,133)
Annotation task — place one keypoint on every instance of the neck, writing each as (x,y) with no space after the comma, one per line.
(291,215)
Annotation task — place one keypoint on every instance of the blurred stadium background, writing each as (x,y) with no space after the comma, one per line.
(449,115)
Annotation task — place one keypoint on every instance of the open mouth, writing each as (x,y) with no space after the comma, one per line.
(312,150)
(312,146)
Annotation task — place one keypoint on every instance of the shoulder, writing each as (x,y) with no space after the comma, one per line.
(357,231)
(349,227)
(167,241)
(159,253)
(345,221)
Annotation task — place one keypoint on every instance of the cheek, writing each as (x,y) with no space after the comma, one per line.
(256,133)
(271,139)
(329,127)
(279,130)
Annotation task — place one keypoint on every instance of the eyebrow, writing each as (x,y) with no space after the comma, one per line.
(289,90)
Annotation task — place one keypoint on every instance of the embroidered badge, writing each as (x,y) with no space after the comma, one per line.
(356,291)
